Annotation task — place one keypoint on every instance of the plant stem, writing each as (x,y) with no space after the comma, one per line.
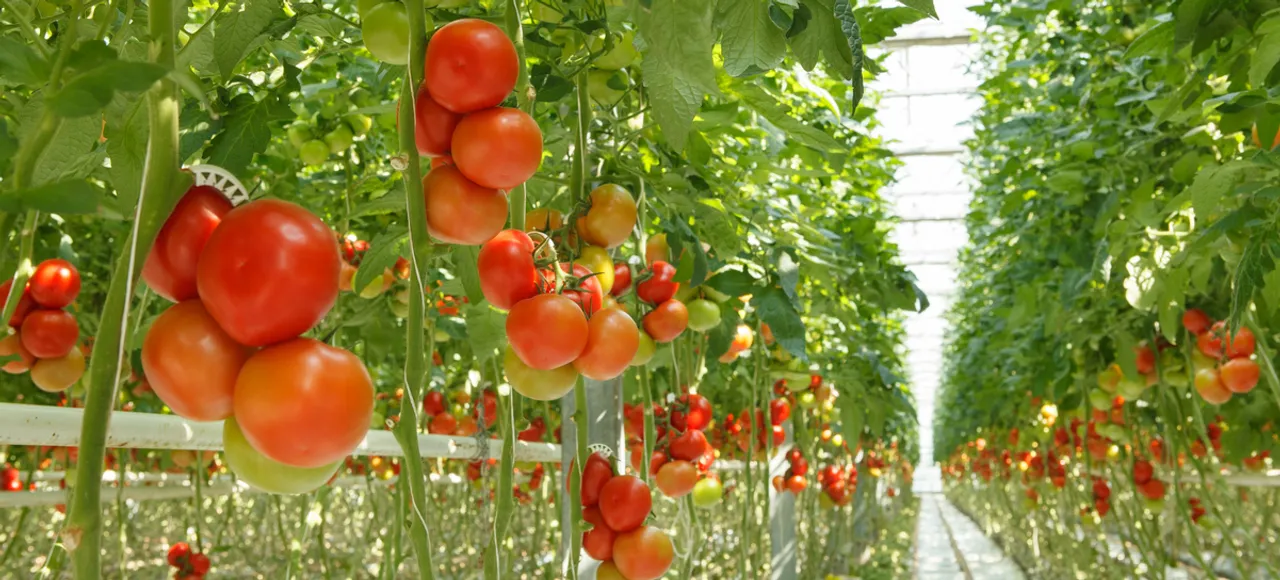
(524,98)
(415,370)
(162,186)
(502,513)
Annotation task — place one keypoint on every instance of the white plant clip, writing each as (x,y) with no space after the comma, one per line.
(221,180)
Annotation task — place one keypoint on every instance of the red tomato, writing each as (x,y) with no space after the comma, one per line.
(433,403)
(1210,345)
(677,478)
(625,503)
(698,415)
(612,341)
(1209,385)
(433,125)
(199,564)
(1241,345)
(498,148)
(507,272)
(796,484)
(547,331)
(666,322)
(304,403)
(54,284)
(690,445)
(11,345)
(586,292)
(269,272)
(192,363)
(598,542)
(621,279)
(1195,321)
(443,424)
(471,65)
(1146,359)
(1142,471)
(1153,489)
(658,287)
(595,475)
(459,211)
(1239,375)
(779,411)
(643,554)
(611,218)
(25,303)
(178,554)
(50,333)
(170,269)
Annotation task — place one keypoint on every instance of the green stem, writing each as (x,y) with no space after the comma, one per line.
(1264,355)
(415,370)
(506,501)
(650,429)
(28,236)
(524,98)
(162,186)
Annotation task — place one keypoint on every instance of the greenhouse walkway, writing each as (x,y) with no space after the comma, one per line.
(949,546)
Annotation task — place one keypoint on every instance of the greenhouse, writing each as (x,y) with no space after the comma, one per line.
(639,289)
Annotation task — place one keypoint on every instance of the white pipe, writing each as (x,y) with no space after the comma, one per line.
(60,427)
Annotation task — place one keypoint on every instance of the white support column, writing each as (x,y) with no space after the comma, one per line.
(604,427)
(782,515)
(60,427)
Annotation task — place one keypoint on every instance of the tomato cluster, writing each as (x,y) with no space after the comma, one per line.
(838,484)
(45,335)
(1101,497)
(616,506)
(1224,361)
(794,480)
(681,450)
(190,565)
(10,479)
(1144,477)
(445,421)
(248,282)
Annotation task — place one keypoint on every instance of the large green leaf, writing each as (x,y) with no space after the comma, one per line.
(823,39)
(776,310)
(750,42)
(678,70)
(246,131)
(924,6)
(765,103)
(241,29)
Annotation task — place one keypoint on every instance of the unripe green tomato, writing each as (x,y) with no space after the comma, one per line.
(1177,378)
(387,121)
(1154,506)
(714,294)
(807,400)
(1099,399)
(442,336)
(314,152)
(361,97)
(620,56)
(703,315)
(266,474)
(339,139)
(1130,389)
(364,6)
(375,288)
(646,350)
(825,502)
(798,387)
(299,135)
(360,124)
(598,85)
(378,421)
(707,492)
(399,309)
(386,33)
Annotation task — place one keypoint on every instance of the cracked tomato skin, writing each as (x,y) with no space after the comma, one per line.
(304,403)
(170,269)
(269,272)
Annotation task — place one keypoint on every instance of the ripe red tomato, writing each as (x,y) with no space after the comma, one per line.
(199,564)
(50,333)
(598,542)
(667,322)
(1239,375)
(433,125)
(779,411)
(1142,471)
(459,211)
(643,554)
(612,341)
(625,503)
(304,403)
(698,415)
(1153,489)
(192,363)
(796,484)
(1146,359)
(586,292)
(54,284)
(498,148)
(1242,344)
(471,65)
(690,445)
(621,279)
(595,475)
(25,303)
(611,218)
(547,331)
(443,424)
(433,403)
(1210,345)
(170,269)
(269,272)
(1195,321)
(11,345)
(507,271)
(659,287)
(677,478)
(178,554)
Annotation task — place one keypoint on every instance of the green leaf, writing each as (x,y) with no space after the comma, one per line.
(1153,42)
(1187,18)
(853,34)
(127,132)
(678,70)
(1255,262)
(70,154)
(720,337)
(925,6)
(1265,58)
(20,64)
(392,202)
(486,329)
(767,105)
(749,40)
(776,310)
(789,274)
(70,197)
(240,30)
(734,282)
(878,23)
(1211,185)
(246,130)
(823,37)
(382,254)
(852,415)
(464,261)
(717,229)
(92,91)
